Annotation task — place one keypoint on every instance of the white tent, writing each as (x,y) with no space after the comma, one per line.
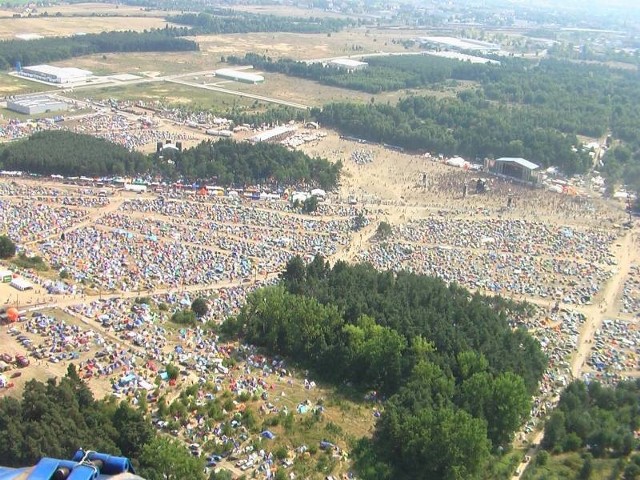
(456,162)
(21,284)
(318,192)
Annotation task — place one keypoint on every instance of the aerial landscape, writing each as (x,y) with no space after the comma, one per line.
(322,239)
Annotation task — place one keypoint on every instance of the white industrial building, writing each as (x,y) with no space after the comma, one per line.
(51,74)
(37,105)
(239,75)
(348,64)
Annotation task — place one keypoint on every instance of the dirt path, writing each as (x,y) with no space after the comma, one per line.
(608,306)
(626,254)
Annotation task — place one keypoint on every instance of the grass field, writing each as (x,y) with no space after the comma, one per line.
(170,94)
(144,63)
(315,94)
(305,46)
(566,467)
(10,85)
(63,26)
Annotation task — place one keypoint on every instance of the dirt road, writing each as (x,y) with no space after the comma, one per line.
(595,314)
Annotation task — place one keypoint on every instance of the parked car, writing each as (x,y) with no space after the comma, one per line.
(22,361)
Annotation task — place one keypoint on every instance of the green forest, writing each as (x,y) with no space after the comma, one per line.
(230,162)
(383,73)
(470,126)
(457,377)
(230,21)
(518,108)
(52,49)
(56,418)
(601,418)
(592,434)
(244,163)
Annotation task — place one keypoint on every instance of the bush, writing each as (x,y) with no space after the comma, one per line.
(542,458)
(7,247)
(384,230)
(184,317)
(172,371)
(36,263)
(200,307)
(281,452)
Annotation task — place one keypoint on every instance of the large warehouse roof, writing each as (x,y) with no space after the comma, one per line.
(239,74)
(59,72)
(347,62)
(519,161)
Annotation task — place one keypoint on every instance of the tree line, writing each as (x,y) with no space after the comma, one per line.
(599,422)
(241,163)
(55,418)
(382,74)
(72,154)
(457,377)
(602,419)
(230,21)
(469,125)
(52,49)
(518,108)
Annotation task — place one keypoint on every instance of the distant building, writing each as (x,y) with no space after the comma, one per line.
(37,105)
(348,64)
(51,74)
(239,75)
(516,168)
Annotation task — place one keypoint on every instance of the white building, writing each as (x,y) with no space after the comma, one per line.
(239,75)
(37,105)
(348,64)
(51,74)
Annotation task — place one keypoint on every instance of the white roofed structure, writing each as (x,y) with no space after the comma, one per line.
(51,74)
(348,64)
(239,75)
(21,284)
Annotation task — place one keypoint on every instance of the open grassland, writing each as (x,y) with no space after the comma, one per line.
(64,26)
(10,85)
(305,46)
(144,63)
(566,467)
(313,93)
(170,94)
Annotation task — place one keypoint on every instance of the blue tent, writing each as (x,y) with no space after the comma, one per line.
(268,434)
